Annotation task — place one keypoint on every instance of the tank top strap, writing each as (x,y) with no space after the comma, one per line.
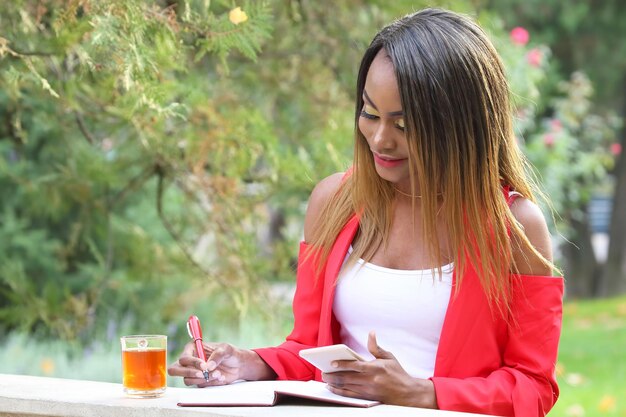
(512,196)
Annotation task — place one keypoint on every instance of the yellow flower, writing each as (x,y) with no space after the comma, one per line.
(237,16)
(607,403)
(47,366)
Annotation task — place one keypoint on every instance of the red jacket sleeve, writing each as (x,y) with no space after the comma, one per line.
(307,302)
(525,384)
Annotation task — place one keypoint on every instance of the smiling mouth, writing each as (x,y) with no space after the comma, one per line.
(387,162)
(386,158)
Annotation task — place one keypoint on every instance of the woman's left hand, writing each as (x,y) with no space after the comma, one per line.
(382,379)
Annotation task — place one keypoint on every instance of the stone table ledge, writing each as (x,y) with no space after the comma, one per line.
(31,396)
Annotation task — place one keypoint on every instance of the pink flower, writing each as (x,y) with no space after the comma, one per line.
(519,36)
(556,125)
(616,149)
(548,140)
(534,57)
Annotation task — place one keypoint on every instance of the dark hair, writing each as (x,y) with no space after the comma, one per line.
(458,125)
(451,83)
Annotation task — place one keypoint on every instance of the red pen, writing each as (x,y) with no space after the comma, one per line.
(195,331)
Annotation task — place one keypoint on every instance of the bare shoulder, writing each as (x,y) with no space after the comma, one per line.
(533,223)
(320,195)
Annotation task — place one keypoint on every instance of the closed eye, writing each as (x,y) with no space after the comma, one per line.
(369,112)
(368,115)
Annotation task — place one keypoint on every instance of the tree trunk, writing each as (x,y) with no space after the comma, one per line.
(614,277)
(581,266)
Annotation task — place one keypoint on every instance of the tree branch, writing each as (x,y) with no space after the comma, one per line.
(32,53)
(132,185)
(16,53)
(81,125)
(170,229)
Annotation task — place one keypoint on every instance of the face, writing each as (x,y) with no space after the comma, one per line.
(382,122)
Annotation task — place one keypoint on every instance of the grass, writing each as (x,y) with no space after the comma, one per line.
(592,359)
(19,355)
(102,360)
(591,369)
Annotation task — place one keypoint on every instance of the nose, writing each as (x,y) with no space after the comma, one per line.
(382,138)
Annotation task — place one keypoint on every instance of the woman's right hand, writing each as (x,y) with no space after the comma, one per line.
(225,364)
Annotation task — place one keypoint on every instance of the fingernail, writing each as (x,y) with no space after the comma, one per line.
(211,365)
(334,364)
(199,374)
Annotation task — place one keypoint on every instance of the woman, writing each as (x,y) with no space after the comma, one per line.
(432,239)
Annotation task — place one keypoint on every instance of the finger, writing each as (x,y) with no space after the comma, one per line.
(218,354)
(209,348)
(348,365)
(189,357)
(343,379)
(195,381)
(377,351)
(192,362)
(213,382)
(189,350)
(215,378)
(346,392)
(186,372)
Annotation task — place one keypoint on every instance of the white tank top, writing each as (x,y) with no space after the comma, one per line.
(405,308)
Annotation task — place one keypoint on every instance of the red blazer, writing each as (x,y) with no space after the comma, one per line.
(484,364)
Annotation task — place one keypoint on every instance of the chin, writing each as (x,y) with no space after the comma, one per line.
(394,176)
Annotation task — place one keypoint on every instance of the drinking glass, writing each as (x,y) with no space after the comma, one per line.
(144,364)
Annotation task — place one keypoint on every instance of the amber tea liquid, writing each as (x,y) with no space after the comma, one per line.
(144,363)
(144,369)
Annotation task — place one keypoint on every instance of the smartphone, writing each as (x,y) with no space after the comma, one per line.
(321,357)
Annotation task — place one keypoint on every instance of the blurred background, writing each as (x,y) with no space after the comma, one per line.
(156,158)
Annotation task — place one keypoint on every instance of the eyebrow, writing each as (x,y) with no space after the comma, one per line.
(391,113)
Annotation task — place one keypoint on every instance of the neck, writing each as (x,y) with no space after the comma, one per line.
(407,194)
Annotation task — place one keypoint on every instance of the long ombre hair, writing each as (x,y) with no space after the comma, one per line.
(462,149)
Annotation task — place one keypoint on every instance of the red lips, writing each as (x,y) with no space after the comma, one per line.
(388,162)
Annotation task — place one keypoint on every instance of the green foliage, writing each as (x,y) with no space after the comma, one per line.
(94,95)
(572,134)
(585,35)
(220,36)
(571,149)
(57,358)
(156,157)
(591,368)
(568,142)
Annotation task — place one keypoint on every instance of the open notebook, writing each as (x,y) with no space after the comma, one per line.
(263,393)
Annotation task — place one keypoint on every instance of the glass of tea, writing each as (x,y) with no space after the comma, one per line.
(144,364)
